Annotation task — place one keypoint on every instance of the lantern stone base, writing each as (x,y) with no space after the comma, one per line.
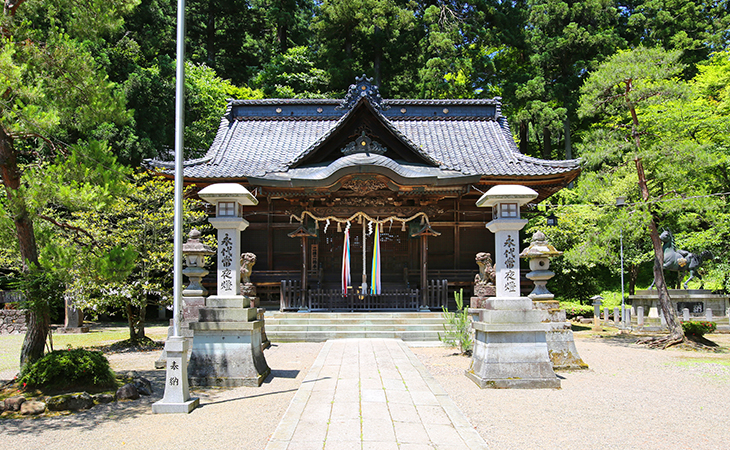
(510,348)
(559,337)
(227,346)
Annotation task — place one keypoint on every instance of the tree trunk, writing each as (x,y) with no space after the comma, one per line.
(38,320)
(210,34)
(633,275)
(377,57)
(568,142)
(547,148)
(665,302)
(523,137)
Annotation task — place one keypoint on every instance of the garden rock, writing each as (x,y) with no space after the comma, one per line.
(100,399)
(14,403)
(127,392)
(70,402)
(32,408)
(132,374)
(143,385)
(2,405)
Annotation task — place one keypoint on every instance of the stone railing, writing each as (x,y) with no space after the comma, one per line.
(13,321)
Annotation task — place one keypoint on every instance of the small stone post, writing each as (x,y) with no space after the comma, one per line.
(606,314)
(640,317)
(685,314)
(597,312)
(616,316)
(708,314)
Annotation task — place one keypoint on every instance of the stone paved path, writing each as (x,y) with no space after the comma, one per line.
(372,394)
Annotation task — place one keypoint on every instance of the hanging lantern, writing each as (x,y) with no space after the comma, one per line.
(552,221)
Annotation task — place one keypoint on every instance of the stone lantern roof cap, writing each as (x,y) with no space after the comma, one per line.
(233,192)
(507,193)
(194,247)
(539,248)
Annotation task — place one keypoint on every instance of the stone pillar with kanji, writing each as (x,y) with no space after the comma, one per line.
(227,343)
(510,349)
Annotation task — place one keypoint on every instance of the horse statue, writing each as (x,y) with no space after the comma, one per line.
(681,261)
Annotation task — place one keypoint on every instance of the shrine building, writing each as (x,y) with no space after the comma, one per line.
(334,177)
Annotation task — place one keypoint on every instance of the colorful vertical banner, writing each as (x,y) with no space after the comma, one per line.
(375,286)
(346,281)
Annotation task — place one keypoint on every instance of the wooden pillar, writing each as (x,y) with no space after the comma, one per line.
(457,234)
(304,266)
(424,269)
(270,235)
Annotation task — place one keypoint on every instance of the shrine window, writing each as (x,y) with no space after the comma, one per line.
(509,210)
(226,209)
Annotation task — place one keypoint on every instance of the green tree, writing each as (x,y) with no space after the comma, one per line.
(52,91)
(622,90)
(135,229)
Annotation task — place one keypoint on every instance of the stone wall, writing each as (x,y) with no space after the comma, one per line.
(12,321)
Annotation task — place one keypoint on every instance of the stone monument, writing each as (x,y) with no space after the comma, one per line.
(510,348)
(227,346)
(559,337)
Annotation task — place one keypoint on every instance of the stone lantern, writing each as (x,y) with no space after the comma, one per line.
(510,350)
(229,199)
(559,337)
(195,252)
(538,254)
(506,201)
(227,342)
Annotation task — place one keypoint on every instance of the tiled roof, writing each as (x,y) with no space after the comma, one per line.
(261,137)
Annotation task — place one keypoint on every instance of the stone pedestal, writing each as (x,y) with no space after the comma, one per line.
(510,347)
(177,393)
(559,337)
(227,344)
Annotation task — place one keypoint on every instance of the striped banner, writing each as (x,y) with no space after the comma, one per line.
(375,285)
(346,281)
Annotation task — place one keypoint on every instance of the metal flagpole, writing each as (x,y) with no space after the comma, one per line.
(179,141)
(177,394)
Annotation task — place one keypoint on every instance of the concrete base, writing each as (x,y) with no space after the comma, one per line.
(227,354)
(562,351)
(510,347)
(559,337)
(175,408)
(71,330)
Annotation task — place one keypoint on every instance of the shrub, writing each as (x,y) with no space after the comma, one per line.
(698,328)
(457,329)
(67,369)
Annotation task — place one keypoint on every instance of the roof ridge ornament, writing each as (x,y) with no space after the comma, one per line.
(363,88)
(363,144)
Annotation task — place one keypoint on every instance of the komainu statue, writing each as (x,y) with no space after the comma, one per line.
(247,262)
(484,280)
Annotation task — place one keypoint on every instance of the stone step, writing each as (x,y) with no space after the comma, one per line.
(321,336)
(318,327)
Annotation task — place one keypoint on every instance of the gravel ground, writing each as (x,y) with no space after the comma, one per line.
(631,397)
(240,418)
